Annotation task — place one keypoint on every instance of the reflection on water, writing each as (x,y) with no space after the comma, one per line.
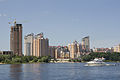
(58,71)
(29,72)
(37,71)
(16,71)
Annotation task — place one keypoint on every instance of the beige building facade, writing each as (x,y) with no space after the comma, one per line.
(40,46)
(62,53)
(73,48)
(117,48)
(36,45)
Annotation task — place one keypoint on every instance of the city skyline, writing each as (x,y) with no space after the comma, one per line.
(63,23)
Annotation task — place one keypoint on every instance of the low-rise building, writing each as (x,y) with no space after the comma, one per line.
(62,53)
(104,50)
(117,48)
(6,52)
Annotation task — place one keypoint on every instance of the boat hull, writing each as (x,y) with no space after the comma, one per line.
(95,65)
(100,64)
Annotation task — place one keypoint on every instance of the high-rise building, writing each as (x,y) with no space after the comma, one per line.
(73,48)
(52,51)
(16,39)
(40,45)
(35,46)
(86,44)
(28,44)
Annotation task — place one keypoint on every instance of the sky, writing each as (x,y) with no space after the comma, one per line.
(63,21)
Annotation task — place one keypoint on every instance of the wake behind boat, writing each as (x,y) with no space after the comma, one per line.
(98,62)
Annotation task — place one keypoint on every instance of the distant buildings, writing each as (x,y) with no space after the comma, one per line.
(86,44)
(16,39)
(6,53)
(62,53)
(52,51)
(117,48)
(74,49)
(36,45)
(28,45)
(41,45)
(104,50)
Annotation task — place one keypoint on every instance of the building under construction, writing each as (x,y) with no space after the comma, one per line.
(16,39)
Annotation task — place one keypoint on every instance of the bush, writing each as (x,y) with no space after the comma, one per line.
(86,58)
(16,60)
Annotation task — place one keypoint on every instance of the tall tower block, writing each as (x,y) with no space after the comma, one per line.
(16,39)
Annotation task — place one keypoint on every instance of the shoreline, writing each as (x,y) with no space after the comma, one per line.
(60,62)
(2,63)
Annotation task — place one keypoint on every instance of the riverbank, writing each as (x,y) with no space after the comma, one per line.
(80,62)
(1,63)
(56,62)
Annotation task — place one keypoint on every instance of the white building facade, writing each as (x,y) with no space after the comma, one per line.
(28,44)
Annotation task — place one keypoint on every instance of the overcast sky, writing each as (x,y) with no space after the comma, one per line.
(63,21)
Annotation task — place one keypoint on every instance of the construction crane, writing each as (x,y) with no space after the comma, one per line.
(14,22)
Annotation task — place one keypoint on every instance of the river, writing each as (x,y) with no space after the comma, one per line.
(58,71)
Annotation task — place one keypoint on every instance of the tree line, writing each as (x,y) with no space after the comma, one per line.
(108,56)
(14,59)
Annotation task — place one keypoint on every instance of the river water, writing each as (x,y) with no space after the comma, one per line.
(58,71)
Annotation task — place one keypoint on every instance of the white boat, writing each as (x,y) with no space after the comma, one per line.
(96,62)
